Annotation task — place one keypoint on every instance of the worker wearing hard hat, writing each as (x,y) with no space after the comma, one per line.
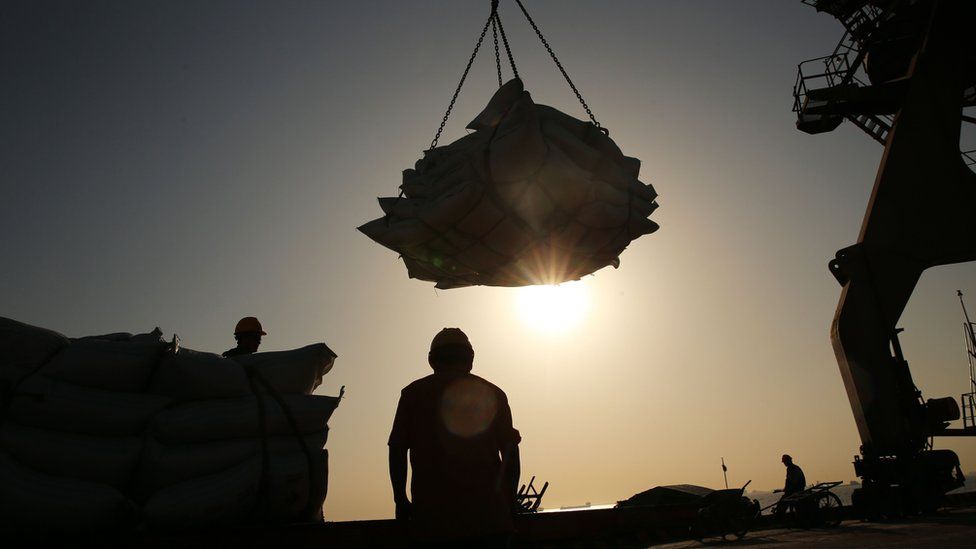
(248,334)
(463,451)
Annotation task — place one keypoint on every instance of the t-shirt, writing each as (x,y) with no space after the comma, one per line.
(795,481)
(455,424)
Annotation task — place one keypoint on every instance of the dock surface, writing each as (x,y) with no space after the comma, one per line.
(952,528)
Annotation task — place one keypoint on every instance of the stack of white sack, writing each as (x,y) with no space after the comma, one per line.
(532,196)
(125,431)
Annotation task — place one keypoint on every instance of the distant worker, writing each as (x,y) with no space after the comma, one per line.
(248,334)
(463,451)
(795,482)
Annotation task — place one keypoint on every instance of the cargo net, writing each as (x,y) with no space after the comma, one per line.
(120,433)
(531,196)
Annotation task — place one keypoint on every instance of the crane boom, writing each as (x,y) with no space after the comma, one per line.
(922,213)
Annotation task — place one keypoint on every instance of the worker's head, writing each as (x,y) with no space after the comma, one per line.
(248,333)
(787,460)
(451,350)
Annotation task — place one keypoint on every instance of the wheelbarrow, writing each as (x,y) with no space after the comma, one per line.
(725,512)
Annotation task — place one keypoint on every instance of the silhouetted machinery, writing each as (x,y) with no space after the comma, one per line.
(903,73)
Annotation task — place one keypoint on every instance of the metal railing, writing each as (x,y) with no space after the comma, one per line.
(840,67)
(968,401)
(970,331)
(836,69)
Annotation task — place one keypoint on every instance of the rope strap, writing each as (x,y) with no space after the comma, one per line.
(264,480)
(255,376)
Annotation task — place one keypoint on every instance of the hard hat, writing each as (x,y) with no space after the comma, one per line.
(249,324)
(449,336)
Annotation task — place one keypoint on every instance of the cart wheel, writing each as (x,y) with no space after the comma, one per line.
(794,516)
(829,509)
(739,526)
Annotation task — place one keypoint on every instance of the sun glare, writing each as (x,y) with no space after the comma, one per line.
(553,309)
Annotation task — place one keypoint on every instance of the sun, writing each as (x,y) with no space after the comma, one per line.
(553,309)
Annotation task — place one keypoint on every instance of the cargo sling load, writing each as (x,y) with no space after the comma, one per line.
(531,196)
(120,433)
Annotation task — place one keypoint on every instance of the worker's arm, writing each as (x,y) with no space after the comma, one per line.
(512,470)
(398,479)
(399,445)
(508,439)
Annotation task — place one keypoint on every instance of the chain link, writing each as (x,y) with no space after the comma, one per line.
(495,22)
(508,50)
(464,75)
(498,59)
(559,65)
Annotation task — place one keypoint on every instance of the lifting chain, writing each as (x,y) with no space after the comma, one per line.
(501,29)
(560,66)
(495,22)
(498,60)
(464,75)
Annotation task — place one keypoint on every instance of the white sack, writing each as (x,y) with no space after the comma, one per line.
(114,336)
(31,502)
(164,465)
(298,371)
(11,375)
(227,497)
(123,366)
(320,487)
(239,418)
(23,345)
(290,486)
(155,336)
(194,375)
(50,404)
(107,460)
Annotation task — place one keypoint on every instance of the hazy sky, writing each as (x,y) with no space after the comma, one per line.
(183,164)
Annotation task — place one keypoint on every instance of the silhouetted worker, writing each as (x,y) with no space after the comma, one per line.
(463,452)
(795,482)
(248,334)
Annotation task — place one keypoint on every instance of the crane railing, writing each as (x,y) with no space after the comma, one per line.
(968,400)
(835,68)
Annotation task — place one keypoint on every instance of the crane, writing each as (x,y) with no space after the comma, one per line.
(903,73)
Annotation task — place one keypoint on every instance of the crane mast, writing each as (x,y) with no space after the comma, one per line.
(902,73)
